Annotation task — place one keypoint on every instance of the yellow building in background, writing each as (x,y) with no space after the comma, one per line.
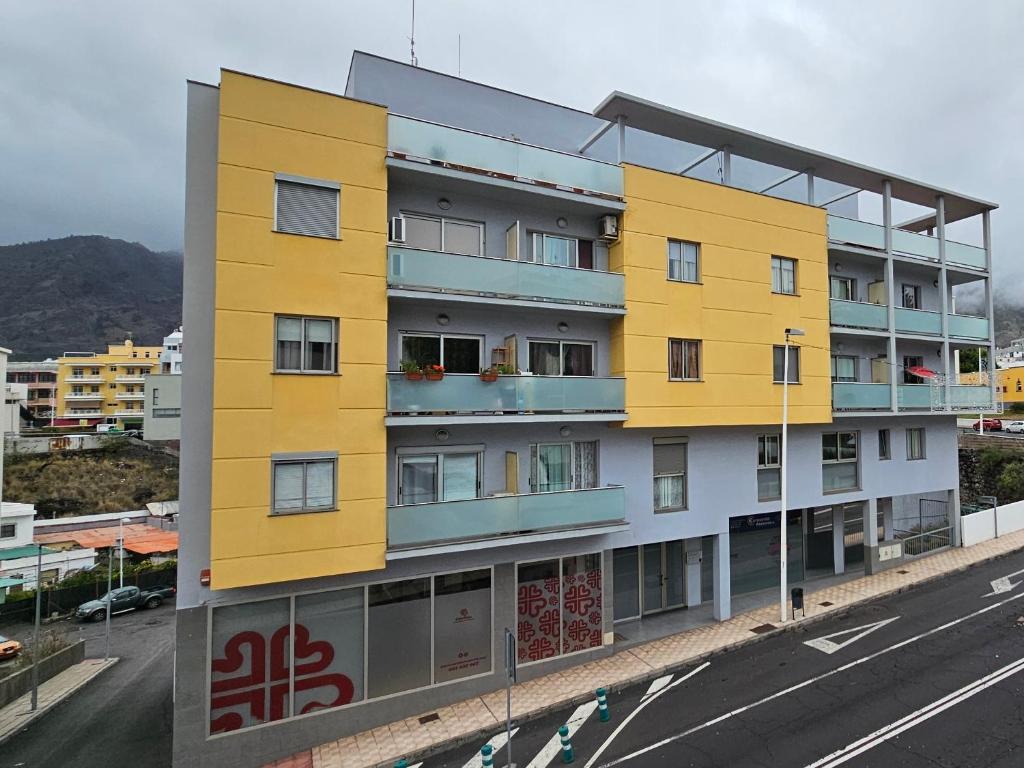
(104,388)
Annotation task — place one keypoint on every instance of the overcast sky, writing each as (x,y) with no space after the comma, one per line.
(92,94)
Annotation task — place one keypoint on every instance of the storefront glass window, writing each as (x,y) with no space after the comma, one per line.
(328,649)
(462,625)
(398,636)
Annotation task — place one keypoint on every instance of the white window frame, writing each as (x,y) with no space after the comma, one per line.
(561,357)
(794,350)
(403,335)
(885,455)
(537,258)
(915,290)
(681,244)
(851,286)
(303,458)
(685,474)
(912,455)
(768,465)
(438,453)
(302,369)
(781,288)
(839,460)
(535,447)
(835,368)
(700,359)
(442,220)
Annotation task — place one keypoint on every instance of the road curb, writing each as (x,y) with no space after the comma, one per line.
(791,626)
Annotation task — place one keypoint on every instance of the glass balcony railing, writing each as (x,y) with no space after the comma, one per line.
(413,269)
(919,396)
(468,393)
(968,327)
(915,244)
(918,321)
(856,314)
(439,522)
(971,397)
(842,230)
(502,158)
(968,255)
(866,235)
(856,396)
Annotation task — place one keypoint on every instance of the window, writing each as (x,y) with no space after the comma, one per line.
(1018,386)
(911,296)
(844,368)
(778,361)
(112,386)
(841,288)
(156,395)
(304,483)
(398,636)
(457,354)
(78,372)
(839,461)
(556,250)
(95,372)
(683,360)
(7,531)
(559,608)
(669,474)
(912,361)
(306,345)
(447,476)
(166,413)
(884,449)
(568,466)
(683,259)
(434,233)
(306,207)
(783,275)
(915,444)
(561,358)
(769,467)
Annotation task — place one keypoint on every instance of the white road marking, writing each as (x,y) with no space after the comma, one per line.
(646,700)
(554,745)
(497,741)
(779,694)
(850,751)
(1003,584)
(827,645)
(657,685)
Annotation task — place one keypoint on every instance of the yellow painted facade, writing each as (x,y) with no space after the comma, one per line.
(1009,383)
(732,310)
(107,386)
(265,128)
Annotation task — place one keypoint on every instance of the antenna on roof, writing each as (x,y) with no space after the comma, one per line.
(412,38)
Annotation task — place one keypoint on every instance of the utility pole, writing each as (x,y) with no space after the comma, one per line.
(35,636)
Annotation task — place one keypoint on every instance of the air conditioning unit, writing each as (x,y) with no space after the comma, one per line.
(609,226)
(397,231)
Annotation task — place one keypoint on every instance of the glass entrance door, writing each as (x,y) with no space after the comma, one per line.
(664,573)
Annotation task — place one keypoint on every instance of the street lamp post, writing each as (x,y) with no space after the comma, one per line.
(110,603)
(120,552)
(35,634)
(785,469)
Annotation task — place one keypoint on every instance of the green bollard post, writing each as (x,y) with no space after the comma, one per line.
(602,706)
(567,753)
(487,760)
(400,763)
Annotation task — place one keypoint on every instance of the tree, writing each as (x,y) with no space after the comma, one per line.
(969,360)
(1011,482)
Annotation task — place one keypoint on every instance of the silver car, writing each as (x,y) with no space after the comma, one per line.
(1014,426)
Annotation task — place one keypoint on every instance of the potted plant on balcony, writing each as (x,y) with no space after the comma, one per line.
(507,369)
(411,369)
(433,372)
(489,374)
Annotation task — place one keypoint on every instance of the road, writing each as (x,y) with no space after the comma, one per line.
(932,677)
(123,717)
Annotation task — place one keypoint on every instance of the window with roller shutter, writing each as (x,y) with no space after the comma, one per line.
(307,207)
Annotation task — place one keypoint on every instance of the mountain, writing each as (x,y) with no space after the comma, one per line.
(83,292)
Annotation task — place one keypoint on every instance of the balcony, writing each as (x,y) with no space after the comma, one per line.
(83,396)
(84,379)
(918,321)
(913,244)
(496,517)
(131,396)
(466,398)
(500,159)
(446,273)
(857,314)
(856,396)
(125,379)
(137,413)
(81,414)
(968,327)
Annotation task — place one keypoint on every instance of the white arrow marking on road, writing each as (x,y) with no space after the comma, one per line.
(657,685)
(646,700)
(826,645)
(1003,584)
(497,742)
(554,745)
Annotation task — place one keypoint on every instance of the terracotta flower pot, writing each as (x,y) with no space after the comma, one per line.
(488,377)
(413,375)
(433,376)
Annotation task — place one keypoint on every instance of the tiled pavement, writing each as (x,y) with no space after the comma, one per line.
(477,716)
(18,714)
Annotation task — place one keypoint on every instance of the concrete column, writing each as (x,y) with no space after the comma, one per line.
(722,585)
(810,186)
(871,536)
(940,220)
(692,553)
(838,541)
(887,518)
(621,122)
(953,505)
(890,286)
(986,230)
(726,165)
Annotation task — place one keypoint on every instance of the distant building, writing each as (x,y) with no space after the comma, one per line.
(1010,355)
(170,358)
(18,552)
(14,409)
(96,388)
(41,381)
(163,406)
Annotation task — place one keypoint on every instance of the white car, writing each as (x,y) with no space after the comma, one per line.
(1014,426)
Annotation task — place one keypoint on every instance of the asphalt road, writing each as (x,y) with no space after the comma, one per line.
(123,717)
(941,683)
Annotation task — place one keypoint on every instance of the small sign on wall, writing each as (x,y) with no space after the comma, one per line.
(890,551)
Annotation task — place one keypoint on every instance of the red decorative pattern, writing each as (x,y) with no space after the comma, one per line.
(539,626)
(581,612)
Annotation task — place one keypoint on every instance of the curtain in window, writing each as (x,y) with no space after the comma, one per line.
(288,486)
(675,260)
(319,345)
(690,262)
(577,360)
(544,358)
(692,360)
(668,492)
(289,343)
(675,359)
(586,465)
(552,467)
(320,484)
(460,476)
(419,479)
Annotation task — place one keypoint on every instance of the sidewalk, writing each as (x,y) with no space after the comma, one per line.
(480,716)
(17,715)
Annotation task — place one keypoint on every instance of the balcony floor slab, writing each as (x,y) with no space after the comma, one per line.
(505,541)
(485,418)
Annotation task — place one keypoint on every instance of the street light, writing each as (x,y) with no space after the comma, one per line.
(120,549)
(785,468)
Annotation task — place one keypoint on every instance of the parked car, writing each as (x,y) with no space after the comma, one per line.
(122,600)
(1014,426)
(9,648)
(991,425)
